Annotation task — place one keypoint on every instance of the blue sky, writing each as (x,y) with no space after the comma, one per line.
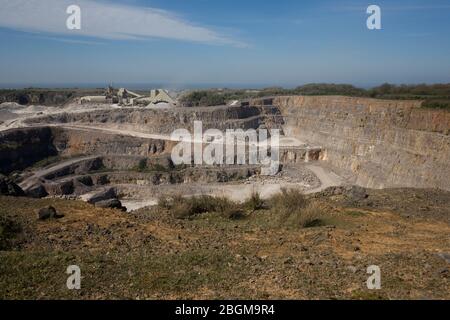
(223,43)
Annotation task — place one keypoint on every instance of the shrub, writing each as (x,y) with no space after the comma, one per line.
(185,208)
(310,216)
(233,212)
(182,210)
(229,209)
(8,231)
(287,201)
(202,204)
(294,210)
(255,202)
(164,202)
(158,167)
(203,98)
(384,91)
(142,166)
(436,104)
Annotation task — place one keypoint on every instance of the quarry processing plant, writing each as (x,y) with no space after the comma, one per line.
(126,97)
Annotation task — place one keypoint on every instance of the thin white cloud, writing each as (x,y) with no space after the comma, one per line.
(350,8)
(105,20)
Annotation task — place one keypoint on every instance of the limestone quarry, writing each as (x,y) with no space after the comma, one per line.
(354,152)
(325,141)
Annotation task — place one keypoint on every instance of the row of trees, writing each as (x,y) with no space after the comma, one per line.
(435,95)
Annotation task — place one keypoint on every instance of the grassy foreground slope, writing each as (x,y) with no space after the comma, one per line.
(286,248)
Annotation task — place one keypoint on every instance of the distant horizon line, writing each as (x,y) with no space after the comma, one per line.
(200,85)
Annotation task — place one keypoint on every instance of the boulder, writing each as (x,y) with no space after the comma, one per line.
(111,203)
(59,188)
(80,188)
(9,188)
(100,179)
(86,180)
(96,196)
(36,191)
(48,213)
(350,193)
(355,193)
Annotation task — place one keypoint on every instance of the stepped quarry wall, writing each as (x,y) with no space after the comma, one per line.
(377,143)
(165,121)
(72,142)
(382,143)
(21,148)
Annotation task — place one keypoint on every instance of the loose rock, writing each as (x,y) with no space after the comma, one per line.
(49,213)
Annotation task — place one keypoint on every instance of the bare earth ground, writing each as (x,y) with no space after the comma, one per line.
(151,255)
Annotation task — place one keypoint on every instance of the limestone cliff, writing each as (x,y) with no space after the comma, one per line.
(23,147)
(383,143)
(20,148)
(165,121)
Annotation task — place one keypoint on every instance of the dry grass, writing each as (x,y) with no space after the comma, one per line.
(8,230)
(152,255)
(310,216)
(294,210)
(290,206)
(187,208)
(255,202)
(287,201)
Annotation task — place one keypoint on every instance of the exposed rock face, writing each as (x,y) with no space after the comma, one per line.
(21,148)
(59,188)
(165,121)
(84,184)
(71,142)
(383,143)
(36,191)
(9,188)
(352,195)
(102,195)
(299,155)
(77,167)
